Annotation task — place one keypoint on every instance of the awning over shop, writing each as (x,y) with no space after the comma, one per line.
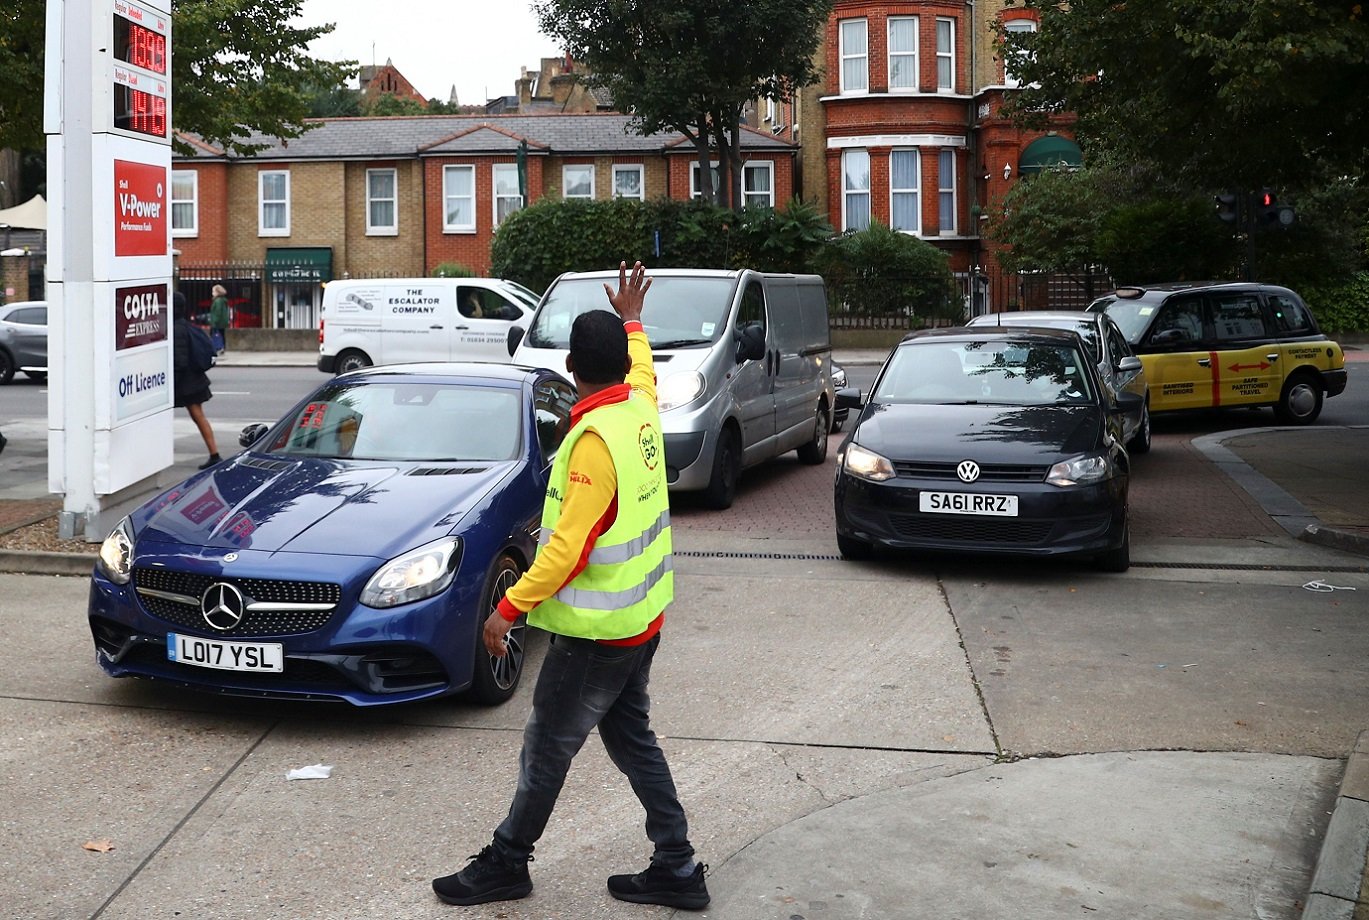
(1049,152)
(299,265)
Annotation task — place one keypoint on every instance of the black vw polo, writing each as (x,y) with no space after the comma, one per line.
(986,440)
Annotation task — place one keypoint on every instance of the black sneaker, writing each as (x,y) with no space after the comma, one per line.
(659,885)
(213,459)
(486,878)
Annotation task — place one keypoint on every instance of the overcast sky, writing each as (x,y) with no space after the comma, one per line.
(476,45)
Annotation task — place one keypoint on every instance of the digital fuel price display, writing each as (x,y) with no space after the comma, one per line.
(140,65)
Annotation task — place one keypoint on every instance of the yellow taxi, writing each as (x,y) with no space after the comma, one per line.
(1215,345)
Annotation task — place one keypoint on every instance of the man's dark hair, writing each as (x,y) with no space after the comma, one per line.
(179,308)
(598,346)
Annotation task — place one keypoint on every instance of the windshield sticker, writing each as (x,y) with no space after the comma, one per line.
(708,329)
(1146,311)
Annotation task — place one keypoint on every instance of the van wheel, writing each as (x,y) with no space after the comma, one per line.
(494,680)
(815,451)
(727,469)
(352,360)
(1300,401)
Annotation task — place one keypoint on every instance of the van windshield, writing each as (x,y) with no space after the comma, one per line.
(678,313)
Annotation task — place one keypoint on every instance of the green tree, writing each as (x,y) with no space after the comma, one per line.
(692,66)
(1051,222)
(239,72)
(882,272)
(390,104)
(1222,93)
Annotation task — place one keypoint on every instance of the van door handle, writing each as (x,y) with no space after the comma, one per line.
(454,327)
(434,327)
(1205,362)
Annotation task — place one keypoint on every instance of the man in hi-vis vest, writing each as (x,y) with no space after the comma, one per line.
(600,585)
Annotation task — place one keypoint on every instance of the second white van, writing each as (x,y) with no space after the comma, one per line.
(403,320)
(743,364)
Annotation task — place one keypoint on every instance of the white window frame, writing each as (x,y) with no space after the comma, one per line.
(844,57)
(1015,25)
(895,88)
(495,197)
(946,187)
(694,191)
(565,185)
(767,166)
(372,228)
(947,55)
(194,201)
(915,190)
(447,196)
(262,202)
(846,192)
(640,170)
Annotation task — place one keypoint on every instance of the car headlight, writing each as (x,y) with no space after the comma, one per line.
(1080,470)
(866,464)
(678,389)
(415,575)
(116,554)
(838,377)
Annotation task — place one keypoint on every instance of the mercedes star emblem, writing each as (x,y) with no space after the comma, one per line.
(223,606)
(968,471)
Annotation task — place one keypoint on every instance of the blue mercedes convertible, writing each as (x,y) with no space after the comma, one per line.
(351,552)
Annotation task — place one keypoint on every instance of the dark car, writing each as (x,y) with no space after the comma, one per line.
(840,413)
(24,339)
(987,440)
(352,552)
(1208,346)
(1118,366)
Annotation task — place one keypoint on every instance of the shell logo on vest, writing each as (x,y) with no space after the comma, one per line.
(648,442)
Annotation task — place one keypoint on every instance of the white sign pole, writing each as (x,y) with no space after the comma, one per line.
(107,119)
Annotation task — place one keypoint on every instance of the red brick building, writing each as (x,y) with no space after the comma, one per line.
(400,196)
(906,128)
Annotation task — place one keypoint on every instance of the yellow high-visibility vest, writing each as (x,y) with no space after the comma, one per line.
(628,579)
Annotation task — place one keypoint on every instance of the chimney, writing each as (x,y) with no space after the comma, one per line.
(524,85)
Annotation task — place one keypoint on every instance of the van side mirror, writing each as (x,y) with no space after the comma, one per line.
(252,434)
(515,336)
(751,343)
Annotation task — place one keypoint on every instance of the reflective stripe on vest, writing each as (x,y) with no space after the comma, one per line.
(606,555)
(615,600)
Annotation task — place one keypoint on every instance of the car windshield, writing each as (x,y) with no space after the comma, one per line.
(678,313)
(396,421)
(1012,373)
(1086,328)
(1132,315)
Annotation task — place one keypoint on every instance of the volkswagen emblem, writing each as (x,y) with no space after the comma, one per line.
(223,606)
(968,471)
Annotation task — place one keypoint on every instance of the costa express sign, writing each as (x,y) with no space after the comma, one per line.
(140,209)
(140,315)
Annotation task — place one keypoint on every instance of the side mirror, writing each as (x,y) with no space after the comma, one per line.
(515,336)
(1129,365)
(1128,402)
(252,434)
(751,343)
(850,398)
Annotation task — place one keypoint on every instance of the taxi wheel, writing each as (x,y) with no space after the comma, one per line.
(815,451)
(727,469)
(495,679)
(351,360)
(1300,401)
(1140,441)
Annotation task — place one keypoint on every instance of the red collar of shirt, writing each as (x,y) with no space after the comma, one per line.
(614,394)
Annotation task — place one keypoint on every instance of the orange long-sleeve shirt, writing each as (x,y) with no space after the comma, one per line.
(590,505)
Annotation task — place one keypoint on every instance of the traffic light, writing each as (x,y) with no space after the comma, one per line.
(1270,211)
(1226,207)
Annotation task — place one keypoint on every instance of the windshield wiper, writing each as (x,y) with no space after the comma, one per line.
(681,343)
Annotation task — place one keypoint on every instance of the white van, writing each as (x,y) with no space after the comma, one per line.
(743,365)
(403,320)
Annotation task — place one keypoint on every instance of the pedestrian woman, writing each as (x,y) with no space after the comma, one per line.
(192,355)
(220,318)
